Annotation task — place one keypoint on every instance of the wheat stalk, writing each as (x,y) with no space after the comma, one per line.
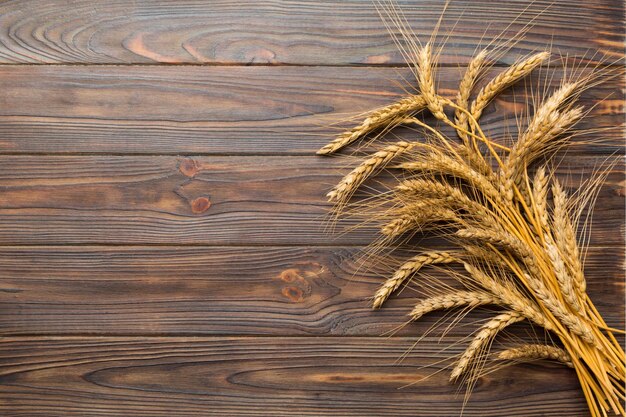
(462,112)
(443,192)
(519,249)
(466,86)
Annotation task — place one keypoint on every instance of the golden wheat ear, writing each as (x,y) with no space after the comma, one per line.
(504,80)
(379,119)
(456,299)
(342,192)
(466,86)
(408,269)
(526,353)
(482,339)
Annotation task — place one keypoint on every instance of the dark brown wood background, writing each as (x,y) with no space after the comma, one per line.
(161,207)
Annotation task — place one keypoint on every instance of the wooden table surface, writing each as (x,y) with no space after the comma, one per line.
(162,249)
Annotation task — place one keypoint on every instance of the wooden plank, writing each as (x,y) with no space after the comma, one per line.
(264,376)
(242,110)
(321,32)
(280,291)
(206,200)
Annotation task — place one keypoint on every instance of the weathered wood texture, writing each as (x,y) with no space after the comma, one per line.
(228,290)
(207,200)
(263,377)
(237,110)
(291,32)
(162,242)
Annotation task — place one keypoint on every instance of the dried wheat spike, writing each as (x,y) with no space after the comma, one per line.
(378,119)
(503,80)
(470,299)
(444,164)
(466,86)
(426,82)
(496,237)
(482,340)
(565,237)
(565,280)
(535,352)
(480,254)
(409,268)
(342,191)
(534,280)
(446,195)
(573,322)
(437,190)
(418,215)
(548,123)
(510,296)
(540,197)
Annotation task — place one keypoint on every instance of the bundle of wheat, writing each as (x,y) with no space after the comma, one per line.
(517,245)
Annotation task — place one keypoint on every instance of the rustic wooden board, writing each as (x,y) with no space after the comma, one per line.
(206,200)
(162,242)
(290,32)
(228,290)
(263,376)
(235,110)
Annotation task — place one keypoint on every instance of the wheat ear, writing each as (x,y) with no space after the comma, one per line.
(376,120)
(496,237)
(564,279)
(536,352)
(510,296)
(409,268)
(470,299)
(482,340)
(441,163)
(466,86)
(485,256)
(565,236)
(540,197)
(416,215)
(426,82)
(503,80)
(442,191)
(348,184)
(548,123)
(573,322)
(533,280)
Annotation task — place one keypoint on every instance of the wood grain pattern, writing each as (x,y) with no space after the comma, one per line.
(206,200)
(289,32)
(162,241)
(263,376)
(235,110)
(228,290)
